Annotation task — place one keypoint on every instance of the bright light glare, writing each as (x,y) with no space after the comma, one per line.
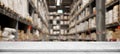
(60,11)
(58,2)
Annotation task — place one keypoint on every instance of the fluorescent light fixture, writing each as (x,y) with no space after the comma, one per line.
(52,6)
(60,11)
(58,2)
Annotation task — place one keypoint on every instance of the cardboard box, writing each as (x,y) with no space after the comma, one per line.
(93,36)
(65,17)
(115,13)
(109,17)
(93,22)
(116,34)
(109,35)
(83,36)
(90,23)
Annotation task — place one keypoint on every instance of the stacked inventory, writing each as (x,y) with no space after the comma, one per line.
(54,23)
(23,20)
(83,20)
(64,25)
(58,23)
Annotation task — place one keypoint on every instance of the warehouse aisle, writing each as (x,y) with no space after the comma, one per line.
(60,20)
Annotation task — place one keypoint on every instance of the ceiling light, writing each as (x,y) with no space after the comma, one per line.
(60,11)
(59,2)
(52,6)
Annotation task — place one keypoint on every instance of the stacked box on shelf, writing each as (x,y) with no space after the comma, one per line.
(73,30)
(57,18)
(82,24)
(83,36)
(109,17)
(54,22)
(73,23)
(92,22)
(17,6)
(39,23)
(56,32)
(61,22)
(86,25)
(62,31)
(109,34)
(51,17)
(45,30)
(22,36)
(116,13)
(65,17)
(112,16)
(57,27)
(42,11)
(35,19)
(108,1)
(84,2)
(88,37)
(64,22)
(8,34)
(116,35)
(93,36)
(35,2)
(87,12)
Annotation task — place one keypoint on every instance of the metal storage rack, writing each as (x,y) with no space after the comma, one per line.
(62,26)
(100,18)
(17,21)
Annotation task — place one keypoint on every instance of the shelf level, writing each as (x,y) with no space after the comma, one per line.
(73,9)
(84,19)
(11,14)
(79,11)
(111,3)
(94,29)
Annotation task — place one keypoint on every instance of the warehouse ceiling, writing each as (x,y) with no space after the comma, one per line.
(64,5)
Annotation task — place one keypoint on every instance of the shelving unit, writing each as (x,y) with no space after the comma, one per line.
(18,22)
(73,20)
(91,15)
(59,22)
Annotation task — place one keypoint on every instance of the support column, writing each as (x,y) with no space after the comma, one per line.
(100,20)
